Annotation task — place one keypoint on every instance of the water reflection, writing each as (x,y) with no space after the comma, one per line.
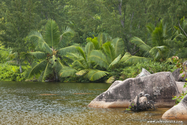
(62,103)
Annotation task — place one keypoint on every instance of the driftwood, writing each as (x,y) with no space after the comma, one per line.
(142,103)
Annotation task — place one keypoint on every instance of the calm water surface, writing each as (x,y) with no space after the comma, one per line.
(65,104)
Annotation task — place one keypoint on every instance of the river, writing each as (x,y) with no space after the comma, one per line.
(33,103)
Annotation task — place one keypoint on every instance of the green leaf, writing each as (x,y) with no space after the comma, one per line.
(52,34)
(115,61)
(94,41)
(110,80)
(89,47)
(102,38)
(66,50)
(99,58)
(143,46)
(109,50)
(67,33)
(36,68)
(39,55)
(82,72)
(67,71)
(81,52)
(39,42)
(119,46)
(74,56)
(96,74)
(48,70)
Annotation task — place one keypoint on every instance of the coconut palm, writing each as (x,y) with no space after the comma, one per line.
(48,51)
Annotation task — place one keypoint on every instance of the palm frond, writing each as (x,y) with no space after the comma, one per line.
(99,58)
(67,34)
(158,52)
(150,28)
(157,37)
(79,64)
(128,58)
(39,42)
(96,74)
(102,38)
(52,33)
(48,70)
(38,55)
(94,41)
(74,56)
(110,80)
(143,46)
(115,61)
(36,68)
(67,72)
(118,46)
(65,50)
(89,47)
(82,53)
(109,50)
(81,73)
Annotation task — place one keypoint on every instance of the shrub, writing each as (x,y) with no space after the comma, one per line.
(11,73)
(153,67)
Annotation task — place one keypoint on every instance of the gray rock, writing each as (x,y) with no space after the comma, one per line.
(176,74)
(160,86)
(143,73)
(180,87)
(177,112)
(183,77)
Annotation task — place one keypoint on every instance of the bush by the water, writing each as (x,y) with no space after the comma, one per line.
(152,67)
(11,73)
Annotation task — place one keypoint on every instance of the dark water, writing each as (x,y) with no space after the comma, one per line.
(65,104)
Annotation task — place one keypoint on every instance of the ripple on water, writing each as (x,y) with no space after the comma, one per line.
(23,104)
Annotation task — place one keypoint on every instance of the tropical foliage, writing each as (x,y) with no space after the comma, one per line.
(95,59)
(143,31)
(49,52)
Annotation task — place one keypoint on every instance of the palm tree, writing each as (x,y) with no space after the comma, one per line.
(48,51)
(96,58)
(159,46)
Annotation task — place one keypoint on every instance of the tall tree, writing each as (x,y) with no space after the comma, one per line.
(49,52)
(18,19)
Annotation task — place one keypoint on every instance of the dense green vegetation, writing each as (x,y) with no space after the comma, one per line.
(89,40)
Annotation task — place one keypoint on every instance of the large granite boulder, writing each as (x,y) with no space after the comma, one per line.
(160,86)
(178,112)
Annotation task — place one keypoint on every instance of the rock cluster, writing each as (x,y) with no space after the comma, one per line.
(160,86)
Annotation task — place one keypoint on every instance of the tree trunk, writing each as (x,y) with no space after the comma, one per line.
(19,63)
(120,12)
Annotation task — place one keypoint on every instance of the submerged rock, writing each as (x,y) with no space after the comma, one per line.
(178,112)
(141,103)
(160,86)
